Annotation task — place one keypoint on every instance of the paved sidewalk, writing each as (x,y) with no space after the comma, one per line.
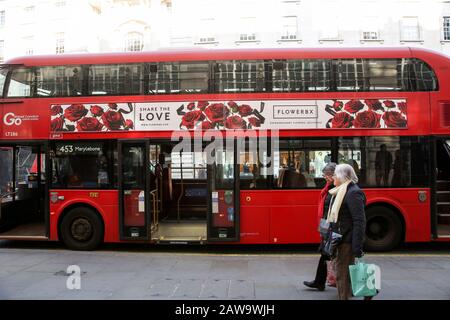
(41,274)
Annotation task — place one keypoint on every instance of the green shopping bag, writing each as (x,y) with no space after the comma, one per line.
(365,279)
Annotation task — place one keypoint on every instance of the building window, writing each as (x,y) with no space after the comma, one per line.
(60,42)
(329,25)
(2,18)
(2,51)
(370,28)
(29,14)
(29,44)
(134,41)
(370,35)
(206,31)
(446,28)
(248,27)
(410,30)
(290,27)
(330,29)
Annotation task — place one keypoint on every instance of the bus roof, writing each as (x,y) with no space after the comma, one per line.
(222,54)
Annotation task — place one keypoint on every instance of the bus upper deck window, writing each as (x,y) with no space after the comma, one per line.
(384,74)
(425,77)
(3,73)
(193,77)
(21,83)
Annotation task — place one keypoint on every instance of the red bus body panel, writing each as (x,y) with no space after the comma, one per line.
(106,202)
(290,216)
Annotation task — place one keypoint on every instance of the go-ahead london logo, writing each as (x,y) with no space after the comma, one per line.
(11,119)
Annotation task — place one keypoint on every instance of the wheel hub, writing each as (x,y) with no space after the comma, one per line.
(81,229)
(378,228)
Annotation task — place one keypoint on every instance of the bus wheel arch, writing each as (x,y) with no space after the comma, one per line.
(81,227)
(385,227)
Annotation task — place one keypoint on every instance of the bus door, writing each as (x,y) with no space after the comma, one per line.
(442,187)
(23,192)
(223,193)
(134,208)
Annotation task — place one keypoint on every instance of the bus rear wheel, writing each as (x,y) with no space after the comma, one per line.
(383,229)
(81,229)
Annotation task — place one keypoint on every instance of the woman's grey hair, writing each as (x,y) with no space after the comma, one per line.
(345,172)
(329,168)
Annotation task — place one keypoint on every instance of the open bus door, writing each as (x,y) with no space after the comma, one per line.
(223,194)
(442,188)
(134,209)
(23,192)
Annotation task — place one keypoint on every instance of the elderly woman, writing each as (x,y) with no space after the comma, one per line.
(324,202)
(347,217)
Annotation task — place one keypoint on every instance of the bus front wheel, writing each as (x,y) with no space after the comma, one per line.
(383,229)
(82,229)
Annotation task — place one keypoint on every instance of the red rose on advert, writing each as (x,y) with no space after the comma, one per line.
(97,111)
(57,124)
(202,105)
(353,106)
(389,104)
(113,120)
(112,106)
(342,120)
(402,106)
(367,119)
(235,122)
(191,118)
(75,112)
(56,109)
(191,105)
(394,119)
(337,105)
(245,110)
(217,112)
(255,122)
(232,104)
(129,124)
(207,125)
(374,104)
(89,124)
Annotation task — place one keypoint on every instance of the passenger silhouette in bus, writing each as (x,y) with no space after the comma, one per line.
(74,83)
(383,163)
(355,166)
(397,176)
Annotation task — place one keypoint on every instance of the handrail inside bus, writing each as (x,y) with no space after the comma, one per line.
(154,194)
(182,189)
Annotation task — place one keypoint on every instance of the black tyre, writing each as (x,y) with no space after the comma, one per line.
(82,229)
(383,229)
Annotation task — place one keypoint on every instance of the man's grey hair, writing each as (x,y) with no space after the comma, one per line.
(329,168)
(345,172)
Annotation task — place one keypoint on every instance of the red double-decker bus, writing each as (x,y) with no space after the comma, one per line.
(117,147)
